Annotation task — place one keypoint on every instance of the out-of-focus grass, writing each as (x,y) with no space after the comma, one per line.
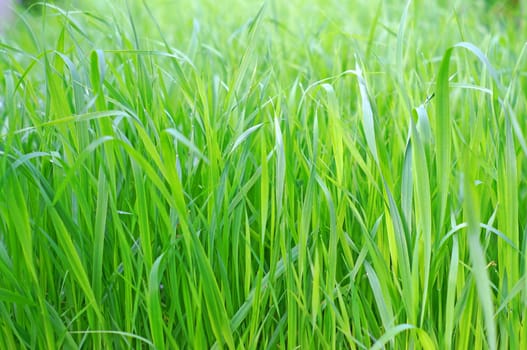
(262,175)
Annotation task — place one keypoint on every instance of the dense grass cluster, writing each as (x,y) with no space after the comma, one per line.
(285,174)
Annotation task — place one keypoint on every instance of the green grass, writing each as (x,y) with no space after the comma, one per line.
(253,175)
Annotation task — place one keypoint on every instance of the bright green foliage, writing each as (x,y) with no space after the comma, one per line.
(253,175)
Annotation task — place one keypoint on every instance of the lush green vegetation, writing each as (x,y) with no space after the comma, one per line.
(297,174)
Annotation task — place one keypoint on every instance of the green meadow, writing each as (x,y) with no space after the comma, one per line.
(264,175)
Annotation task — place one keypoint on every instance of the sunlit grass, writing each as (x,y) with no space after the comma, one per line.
(263,175)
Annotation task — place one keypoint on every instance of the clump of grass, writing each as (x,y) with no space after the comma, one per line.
(287,175)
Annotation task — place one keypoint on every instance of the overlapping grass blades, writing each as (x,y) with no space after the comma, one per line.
(300,175)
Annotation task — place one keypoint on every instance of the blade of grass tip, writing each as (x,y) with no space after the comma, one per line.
(248,261)
(368,123)
(121,334)
(479,269)
(78,94)
(383,301)
(371,128)
(399,70)
(99,234)
(423,123)
(141,206)
(443,134)
(180,138)
(427,343)
(517,289)
(280,166)
(335,131)
(243,136)
(265,184)
(407,185)
(155,315)
(481,56)
(400,41)
(390,335)
(423,215)
(315,294)
(245,63)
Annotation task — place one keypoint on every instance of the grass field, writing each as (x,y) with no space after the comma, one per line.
(252,175)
